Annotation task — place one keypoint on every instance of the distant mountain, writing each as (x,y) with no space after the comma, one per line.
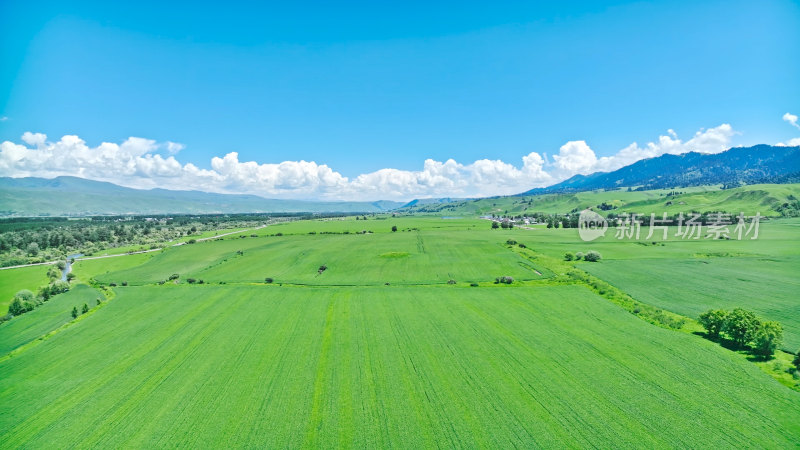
(432,201)
(71,196)
(736,166)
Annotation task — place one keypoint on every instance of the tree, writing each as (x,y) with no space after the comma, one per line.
(24,295)
(16,307)
(741,325)
(85,309)
(33,249)
(495,225)
(578,256)
(74,312)
(568,256)
(713,320)
(767,338)
(592,256)
(796,361)
(70,276)
(268,280)
(394,227)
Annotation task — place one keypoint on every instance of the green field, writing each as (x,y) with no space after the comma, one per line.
(210,366)
(411,257)
(51,315)
(13,280)
(378,350)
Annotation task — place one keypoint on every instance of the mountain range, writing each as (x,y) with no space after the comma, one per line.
(71,196)
(734,167)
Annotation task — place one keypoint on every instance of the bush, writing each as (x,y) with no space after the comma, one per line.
(322,268)
(741,326)
(592,256)
(74,312)
(505,280)
(474,284)
(191,280)
(191,241)
(767,338)
(394,227)
(578,256)
(568,256)
(522,245)
(124,283)
(796,361)
(511,242)
(451,281)
(174,276)
(495,225)
(16,307)
(268,280)
(713,321)
(85,309)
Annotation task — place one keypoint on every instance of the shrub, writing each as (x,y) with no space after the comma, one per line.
(741,326)
(451,281)
(124,283)
(521,245)
(99,301)
(278,234)
(495,225)
(74,312)
(16,307)
(592,256)
(322,268)
(511,242)
(578,256)
(85,309)
(568,256)
(767,338)
(394,227)
(713,321)
(796,361)
(70,276)
(504,279)
(268,280)
(191,280)
(112,284)
(474,284)
(174,276)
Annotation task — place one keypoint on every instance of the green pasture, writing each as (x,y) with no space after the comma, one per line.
(47,317)
(14,280)
(448,366)
(404,257)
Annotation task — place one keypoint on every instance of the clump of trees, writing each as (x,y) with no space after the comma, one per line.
(744,329)
(591,256)
(504,280)
(26,301)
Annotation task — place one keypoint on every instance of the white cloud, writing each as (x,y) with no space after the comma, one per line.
(136,163)
(174,147)
(792,119)
(3,119)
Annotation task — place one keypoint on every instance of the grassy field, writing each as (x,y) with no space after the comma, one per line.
(51,315)
(13,280)
(339,358)
(383,366)
(404,257)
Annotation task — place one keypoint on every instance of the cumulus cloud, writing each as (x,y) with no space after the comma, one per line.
(792,119)
(136,163)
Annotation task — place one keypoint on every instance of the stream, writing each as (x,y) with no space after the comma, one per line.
(68,267)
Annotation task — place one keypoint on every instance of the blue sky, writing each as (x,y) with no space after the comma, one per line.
(360,87)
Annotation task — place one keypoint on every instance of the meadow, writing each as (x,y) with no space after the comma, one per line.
(383,367)
(379,350)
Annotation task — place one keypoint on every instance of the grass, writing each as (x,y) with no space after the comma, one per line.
(47,317)
(380,367)
(14,280)
(413,257)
